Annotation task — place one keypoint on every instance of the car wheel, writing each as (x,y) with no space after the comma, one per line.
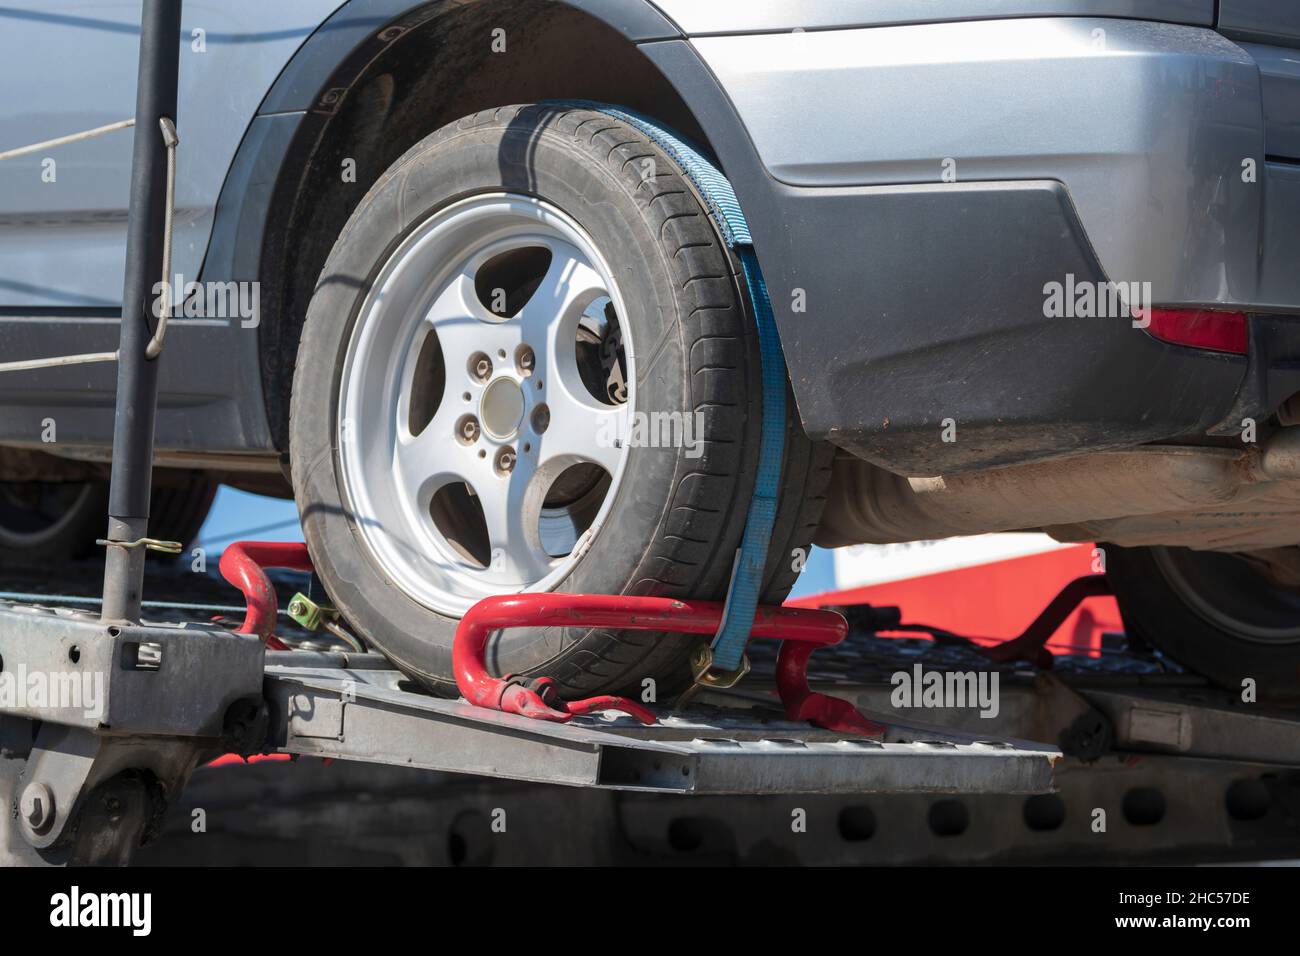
(177,510)
(527,366)
(51,521)
(1226,616)
(44,521)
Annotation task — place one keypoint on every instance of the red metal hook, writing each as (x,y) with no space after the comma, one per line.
(1031,645)
(243,564)
(802,630)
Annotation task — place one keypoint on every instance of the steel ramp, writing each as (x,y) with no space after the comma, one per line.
(364,711)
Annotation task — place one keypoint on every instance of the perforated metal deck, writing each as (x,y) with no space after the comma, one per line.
(365,712)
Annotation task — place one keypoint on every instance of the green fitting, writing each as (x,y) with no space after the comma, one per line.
(307,614)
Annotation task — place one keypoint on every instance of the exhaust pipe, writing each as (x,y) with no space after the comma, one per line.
(870,505)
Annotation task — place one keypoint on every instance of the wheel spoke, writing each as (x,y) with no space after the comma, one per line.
(464,328)
(512,507)
(424,462)
(549,319)
(581,428)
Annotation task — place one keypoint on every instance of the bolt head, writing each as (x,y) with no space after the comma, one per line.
(483,367)
(37,805)
(541,419)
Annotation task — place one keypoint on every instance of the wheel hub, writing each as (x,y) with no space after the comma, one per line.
(502,408)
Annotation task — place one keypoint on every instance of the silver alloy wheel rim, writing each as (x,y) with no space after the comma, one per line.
(391,474)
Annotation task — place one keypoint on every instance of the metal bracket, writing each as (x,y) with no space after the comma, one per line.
(706,675)
(149,544)
(122,715)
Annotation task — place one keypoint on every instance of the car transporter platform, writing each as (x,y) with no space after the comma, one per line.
(90,776)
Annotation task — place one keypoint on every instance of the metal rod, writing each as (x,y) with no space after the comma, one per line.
(57,361)
(171,141)
(137,375)
(40,597)
(65,140)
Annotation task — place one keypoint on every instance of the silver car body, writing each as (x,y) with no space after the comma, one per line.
(1128,124)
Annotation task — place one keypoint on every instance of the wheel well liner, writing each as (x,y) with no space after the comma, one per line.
(376,78)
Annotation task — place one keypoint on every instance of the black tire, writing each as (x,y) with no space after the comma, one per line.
(177,511)
(46,522)
(677,521)
(1219,615)
(52,522)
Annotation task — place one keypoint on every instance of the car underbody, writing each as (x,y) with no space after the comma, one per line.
(1222,497)
(1207,497)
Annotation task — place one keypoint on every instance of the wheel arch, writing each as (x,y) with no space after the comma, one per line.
(374,79)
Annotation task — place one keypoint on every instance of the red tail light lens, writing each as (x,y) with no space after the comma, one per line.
(1201,329)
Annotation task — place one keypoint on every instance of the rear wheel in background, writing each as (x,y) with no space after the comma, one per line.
(48,522)
(529,366)
(1225,616)
(178,509)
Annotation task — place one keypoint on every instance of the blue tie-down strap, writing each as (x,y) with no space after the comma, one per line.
(747,576)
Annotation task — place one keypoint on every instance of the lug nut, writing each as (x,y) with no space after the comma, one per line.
(526,361)
(506,461)
(480,367)
(467,429)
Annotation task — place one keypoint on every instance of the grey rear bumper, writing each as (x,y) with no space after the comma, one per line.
(1102,149)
